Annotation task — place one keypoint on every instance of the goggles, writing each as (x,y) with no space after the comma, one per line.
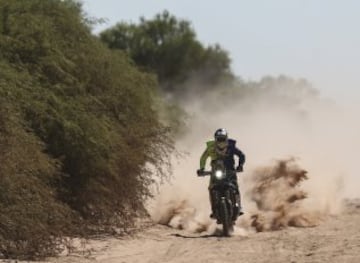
(221,139)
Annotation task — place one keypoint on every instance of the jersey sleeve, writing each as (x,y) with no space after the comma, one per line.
(203,158)
(241,156)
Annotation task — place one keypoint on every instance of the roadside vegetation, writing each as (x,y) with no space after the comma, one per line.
(79,133)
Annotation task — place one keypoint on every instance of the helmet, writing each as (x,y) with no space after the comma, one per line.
(221,135)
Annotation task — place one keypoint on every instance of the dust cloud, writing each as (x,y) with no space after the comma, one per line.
(301,161)
(275,191)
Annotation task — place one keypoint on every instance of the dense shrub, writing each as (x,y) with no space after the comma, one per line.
(80,137)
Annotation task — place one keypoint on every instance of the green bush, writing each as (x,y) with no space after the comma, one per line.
(80,136)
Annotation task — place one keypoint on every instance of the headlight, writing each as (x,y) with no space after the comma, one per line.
(218,174)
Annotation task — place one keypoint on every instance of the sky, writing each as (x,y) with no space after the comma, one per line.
(314,39)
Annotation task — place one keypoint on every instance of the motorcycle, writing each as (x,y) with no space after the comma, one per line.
(226,206)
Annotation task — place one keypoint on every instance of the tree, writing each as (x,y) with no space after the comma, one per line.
(168,46)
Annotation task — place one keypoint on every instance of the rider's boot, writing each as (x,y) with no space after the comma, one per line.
(238,204)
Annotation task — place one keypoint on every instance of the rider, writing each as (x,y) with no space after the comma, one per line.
(223,148)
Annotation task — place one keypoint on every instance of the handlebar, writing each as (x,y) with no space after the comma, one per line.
(204,173)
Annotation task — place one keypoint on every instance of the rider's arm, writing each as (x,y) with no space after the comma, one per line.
(203,159)
(241,156)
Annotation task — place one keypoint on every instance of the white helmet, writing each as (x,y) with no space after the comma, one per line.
(221,135)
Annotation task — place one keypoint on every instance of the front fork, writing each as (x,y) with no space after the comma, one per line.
(213,201)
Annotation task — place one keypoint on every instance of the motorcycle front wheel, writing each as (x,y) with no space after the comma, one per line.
(225,219)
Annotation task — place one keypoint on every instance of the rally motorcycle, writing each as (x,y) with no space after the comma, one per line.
(224,191)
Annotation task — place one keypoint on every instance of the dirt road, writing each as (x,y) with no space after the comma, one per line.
(335,240)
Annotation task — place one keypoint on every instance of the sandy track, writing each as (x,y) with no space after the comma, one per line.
(335,240)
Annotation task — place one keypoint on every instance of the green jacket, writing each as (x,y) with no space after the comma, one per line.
(209,152)
(227,156)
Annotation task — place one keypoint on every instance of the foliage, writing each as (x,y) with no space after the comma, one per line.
(79,133)
(168,46)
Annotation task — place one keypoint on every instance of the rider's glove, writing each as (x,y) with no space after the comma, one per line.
(239,168)
(200,172)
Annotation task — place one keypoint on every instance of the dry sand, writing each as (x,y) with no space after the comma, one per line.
(337,239)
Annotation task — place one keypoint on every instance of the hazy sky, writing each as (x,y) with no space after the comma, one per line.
(315,39)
